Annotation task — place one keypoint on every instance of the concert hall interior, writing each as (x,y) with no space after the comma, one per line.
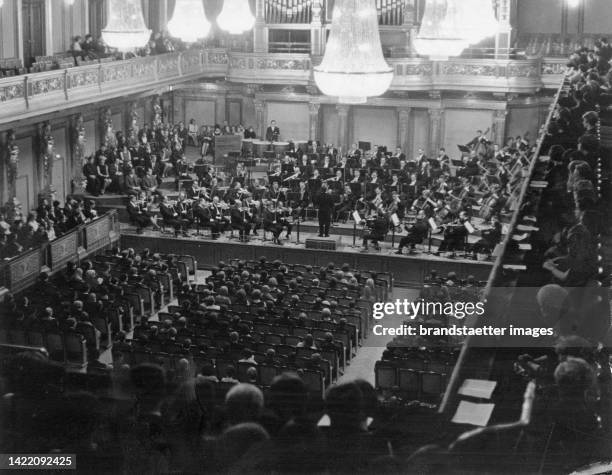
(270,236)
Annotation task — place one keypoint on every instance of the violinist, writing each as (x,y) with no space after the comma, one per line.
(455,234)
(377,200)
(138,214)
(194,191)
(425,203)
(489,238)
(395,205)
(171,217)
(184,208)
(238,221)
(346,205)
(275,192)
(218,223)
(377,232)
(417,233)
(271,222)
(214,189)
(303,200)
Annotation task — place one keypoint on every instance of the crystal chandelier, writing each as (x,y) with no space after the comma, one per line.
(125,29)
(353,67)
(441,34)
(477,20)
(236,17)
(189,21)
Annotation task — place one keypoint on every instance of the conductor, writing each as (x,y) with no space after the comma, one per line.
(326,205)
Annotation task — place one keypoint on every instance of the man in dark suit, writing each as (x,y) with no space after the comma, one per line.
(378,231)
(272,132)
(416,233)
(325,202)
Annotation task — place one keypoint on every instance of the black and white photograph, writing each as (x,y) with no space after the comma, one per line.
(306,236)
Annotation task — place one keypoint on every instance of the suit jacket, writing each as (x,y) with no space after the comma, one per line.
(272,134)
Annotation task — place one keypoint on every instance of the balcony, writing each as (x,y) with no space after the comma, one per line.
(38,93)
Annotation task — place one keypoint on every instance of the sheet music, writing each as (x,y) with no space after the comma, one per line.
(473,413)
(526,227)
(356,218)
(469,227)
(395,219)
(515,266)
(480,388)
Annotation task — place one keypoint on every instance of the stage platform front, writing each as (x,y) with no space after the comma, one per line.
(407,271)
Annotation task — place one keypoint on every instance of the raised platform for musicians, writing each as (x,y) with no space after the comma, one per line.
(407,270)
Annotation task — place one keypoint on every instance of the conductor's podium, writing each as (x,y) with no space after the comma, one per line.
(326,244)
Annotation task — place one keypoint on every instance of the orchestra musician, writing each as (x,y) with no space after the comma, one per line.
(218,222)
(184,208)
(276,192)
(397,158)
(239,221)
(455,234)
(139,214)
(377,232)
(346,204)
(274,222)
(171,217)
(489,238)
(303,200)
(417,233)
(272,132)
(325,202)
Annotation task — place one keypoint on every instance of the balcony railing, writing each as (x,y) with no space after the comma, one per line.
(39,93)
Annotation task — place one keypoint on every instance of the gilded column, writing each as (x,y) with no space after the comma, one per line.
(260,119)
(435,130)
(409,21)
(499,127)
(260,32)
(343,111)
(503,38)
(403,127)
(317,34)
(313,110)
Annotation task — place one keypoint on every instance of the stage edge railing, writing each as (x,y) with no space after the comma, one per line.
(455,380)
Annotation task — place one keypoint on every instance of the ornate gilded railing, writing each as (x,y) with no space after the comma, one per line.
(38,93)
(22,271)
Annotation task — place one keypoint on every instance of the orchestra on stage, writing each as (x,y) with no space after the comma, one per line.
(381,191)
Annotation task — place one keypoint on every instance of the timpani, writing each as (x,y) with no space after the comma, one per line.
(259,147)
(280,148)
